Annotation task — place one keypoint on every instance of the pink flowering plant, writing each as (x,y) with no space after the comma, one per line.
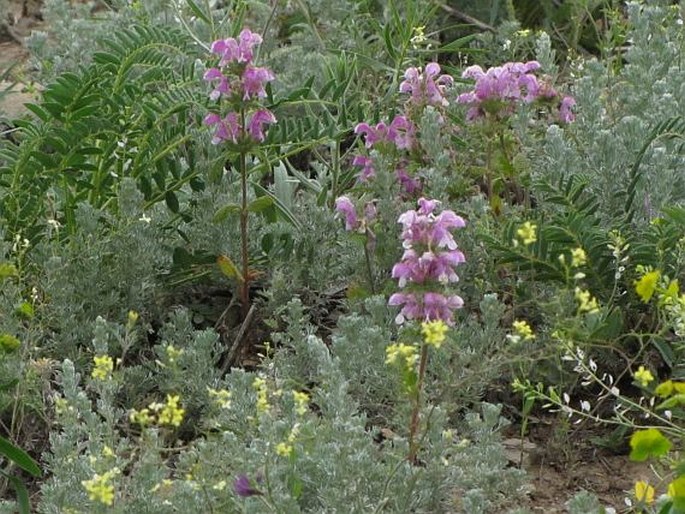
(395,145)
(424,273)
(499,94)
(240,122)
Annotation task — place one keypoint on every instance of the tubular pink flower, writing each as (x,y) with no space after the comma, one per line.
(253,81)
(240,50)
(372,135)
(222,88)
(345,207)
(368,172)
(566,114)
(408,184)
(401,132)
(427,87)
(227,129)
(255,126)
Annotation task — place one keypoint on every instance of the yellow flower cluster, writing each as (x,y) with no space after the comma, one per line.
(259,384)
(100,488)
(173,353)
(434,332)
(104,365)
(586,302)
(646,286)
(527,233)
(286,448)
(169,413)
(643,376)
(403,351)
(522,332)
(221,396)
(301,402)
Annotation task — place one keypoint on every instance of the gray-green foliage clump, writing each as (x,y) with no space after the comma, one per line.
(321,455)
(617,140)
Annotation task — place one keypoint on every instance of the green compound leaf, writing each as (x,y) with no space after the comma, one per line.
(648,443)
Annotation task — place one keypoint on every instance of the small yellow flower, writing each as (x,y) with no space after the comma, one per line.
(171,413)
(132,319)
(586,302)
(644,493)
(527,233)
(262,394)
(173,353)
(301,402)
(419,36)
(401,350)
(578,257)
(107,451)
(221,396)
(522,331)
(99,487)
(284,449)
(434,332)
(141,417)
(646,286)
(643,376)
(104,365)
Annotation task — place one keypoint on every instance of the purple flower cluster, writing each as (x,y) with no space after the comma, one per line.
(427,87)
(346,208)
(240,82)
(428,264)
(498,89)
(400,133)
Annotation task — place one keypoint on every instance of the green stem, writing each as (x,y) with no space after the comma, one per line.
(414,423)
(245,283)
(369,268)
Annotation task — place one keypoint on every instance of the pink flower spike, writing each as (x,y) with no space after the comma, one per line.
(256,125)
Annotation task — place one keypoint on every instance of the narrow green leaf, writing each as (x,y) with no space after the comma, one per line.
(23,501)
(19,457)
(198,12)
